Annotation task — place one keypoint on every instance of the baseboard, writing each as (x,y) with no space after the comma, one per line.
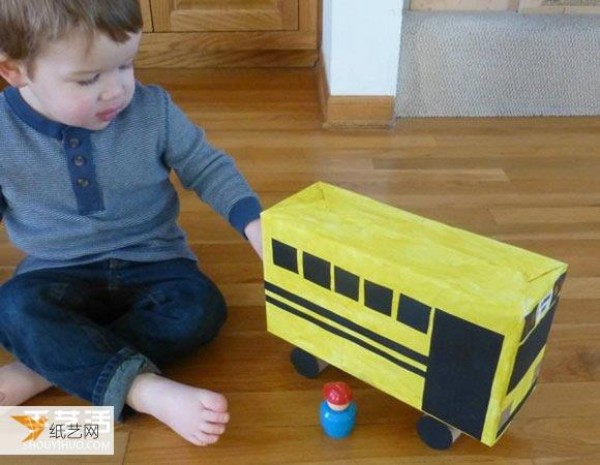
(341,111)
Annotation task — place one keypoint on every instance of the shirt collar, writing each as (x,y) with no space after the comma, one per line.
(37,121)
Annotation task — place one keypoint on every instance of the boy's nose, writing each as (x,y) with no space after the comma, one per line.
(113,89)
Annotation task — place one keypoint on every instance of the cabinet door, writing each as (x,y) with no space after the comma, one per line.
(146,15)
(230,33)
(224,15)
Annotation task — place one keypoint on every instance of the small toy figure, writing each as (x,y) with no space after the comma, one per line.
(338,410)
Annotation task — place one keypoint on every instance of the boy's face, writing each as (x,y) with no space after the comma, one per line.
(82,85)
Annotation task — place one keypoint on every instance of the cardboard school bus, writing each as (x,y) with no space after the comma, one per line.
(449,322)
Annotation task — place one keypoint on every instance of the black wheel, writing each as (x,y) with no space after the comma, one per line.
(436,434)
(306,364)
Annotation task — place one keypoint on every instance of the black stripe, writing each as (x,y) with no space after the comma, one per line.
(341,333)
(510,419)
(392,345)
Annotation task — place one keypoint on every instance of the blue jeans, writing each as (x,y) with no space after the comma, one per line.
(91,329)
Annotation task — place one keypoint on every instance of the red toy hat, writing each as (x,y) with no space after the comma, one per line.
(337,393)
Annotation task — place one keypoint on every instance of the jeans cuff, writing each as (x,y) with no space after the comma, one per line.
(117,377)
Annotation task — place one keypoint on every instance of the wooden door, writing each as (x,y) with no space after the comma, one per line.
(197,33)
(218,15)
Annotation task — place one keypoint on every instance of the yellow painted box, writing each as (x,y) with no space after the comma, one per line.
(450,322)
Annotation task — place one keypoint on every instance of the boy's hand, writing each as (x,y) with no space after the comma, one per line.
(253,232)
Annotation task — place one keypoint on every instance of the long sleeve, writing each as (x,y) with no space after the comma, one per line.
(210,172)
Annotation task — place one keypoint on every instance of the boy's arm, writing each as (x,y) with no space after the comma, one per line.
(210,172)
(253,232)
(2,205)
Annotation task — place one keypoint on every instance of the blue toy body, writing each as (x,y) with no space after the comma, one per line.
(337,424)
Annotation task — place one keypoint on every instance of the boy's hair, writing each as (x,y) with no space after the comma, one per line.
(27,25)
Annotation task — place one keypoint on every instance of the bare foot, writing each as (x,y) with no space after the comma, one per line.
(198,415)
(18,384)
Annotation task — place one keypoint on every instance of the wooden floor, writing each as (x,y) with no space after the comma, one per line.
(534,183)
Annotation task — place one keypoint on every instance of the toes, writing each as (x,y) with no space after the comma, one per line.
(196,441)
(203,439)
(216,417)
(214,401)
(213,428)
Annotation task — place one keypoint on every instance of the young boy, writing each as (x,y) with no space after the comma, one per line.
(109,290)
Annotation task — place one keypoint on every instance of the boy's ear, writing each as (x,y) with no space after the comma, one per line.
(12,71)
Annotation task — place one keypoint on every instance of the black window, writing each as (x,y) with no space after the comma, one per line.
(530,349)
(378,297)
(413,313)
(285,256)
(529,323)
(317,270)
(346,283)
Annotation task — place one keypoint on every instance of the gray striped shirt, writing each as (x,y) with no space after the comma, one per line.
(72,196)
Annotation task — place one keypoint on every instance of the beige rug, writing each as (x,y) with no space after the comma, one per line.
(498,64)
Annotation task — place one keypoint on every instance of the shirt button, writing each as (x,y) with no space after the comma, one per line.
(83,182)
(74,142)
(79,160)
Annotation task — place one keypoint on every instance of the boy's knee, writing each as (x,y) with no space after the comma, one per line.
(205,321)
(195,319)
(16,297)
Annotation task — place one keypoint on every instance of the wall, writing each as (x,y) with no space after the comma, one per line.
(361,43)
